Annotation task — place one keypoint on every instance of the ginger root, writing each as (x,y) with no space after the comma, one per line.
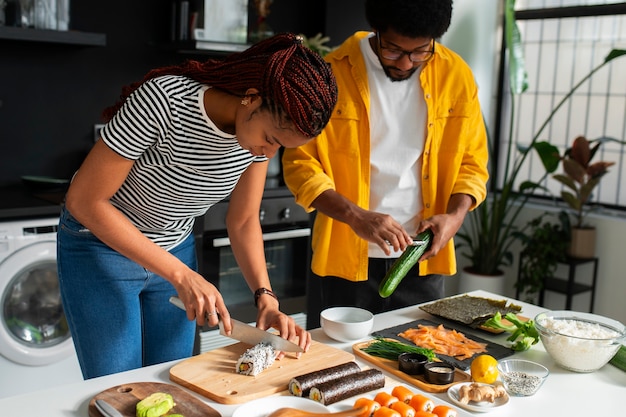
(481,392)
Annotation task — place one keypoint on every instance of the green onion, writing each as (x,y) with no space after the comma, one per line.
(391,349)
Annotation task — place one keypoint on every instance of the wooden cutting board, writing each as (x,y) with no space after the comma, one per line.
(124,398)
(493,349)
(212,374)
(419,381)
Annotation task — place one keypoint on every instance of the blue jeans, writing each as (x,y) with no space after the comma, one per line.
(118,312)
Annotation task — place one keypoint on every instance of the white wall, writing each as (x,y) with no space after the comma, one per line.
(475,34)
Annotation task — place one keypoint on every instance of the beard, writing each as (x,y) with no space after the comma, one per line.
(394,74)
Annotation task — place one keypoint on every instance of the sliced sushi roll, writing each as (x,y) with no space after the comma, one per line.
(444,411)
(421,403)
(341,388)
(368,404)
(301,385)
(256,359)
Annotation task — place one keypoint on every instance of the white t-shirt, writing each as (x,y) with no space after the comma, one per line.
(397,133)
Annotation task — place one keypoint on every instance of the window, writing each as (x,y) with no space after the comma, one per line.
(563,41)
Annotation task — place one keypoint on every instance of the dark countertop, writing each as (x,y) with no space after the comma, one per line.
(19,202)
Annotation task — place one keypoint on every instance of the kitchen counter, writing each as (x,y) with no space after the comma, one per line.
(19,201)
(564,393)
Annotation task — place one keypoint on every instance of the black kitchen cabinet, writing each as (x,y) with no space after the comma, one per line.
(55,84)
(9,33)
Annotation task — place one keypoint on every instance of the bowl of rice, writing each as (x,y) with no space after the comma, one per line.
(580,342)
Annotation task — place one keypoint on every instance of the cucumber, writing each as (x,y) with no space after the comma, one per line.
(619,360)
(403,264)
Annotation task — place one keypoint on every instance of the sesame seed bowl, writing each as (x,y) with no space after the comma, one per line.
(522,378)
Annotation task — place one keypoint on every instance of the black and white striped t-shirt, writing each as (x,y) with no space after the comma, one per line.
(183,163)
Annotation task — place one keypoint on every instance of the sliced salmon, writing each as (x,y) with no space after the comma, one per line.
(444,341)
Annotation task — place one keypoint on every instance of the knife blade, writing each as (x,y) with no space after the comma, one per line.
(106,409)
(249,334)
(253,336)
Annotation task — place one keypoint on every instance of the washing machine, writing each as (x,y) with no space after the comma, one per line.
(36,349)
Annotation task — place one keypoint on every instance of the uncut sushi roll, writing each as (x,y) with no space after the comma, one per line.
(345,387)
(256,359)
(300,386)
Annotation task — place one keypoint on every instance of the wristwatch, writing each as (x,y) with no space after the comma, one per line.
(262,291)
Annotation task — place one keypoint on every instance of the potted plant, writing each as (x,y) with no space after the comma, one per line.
(490,230)
(580,177)
(544,246)
(317,43)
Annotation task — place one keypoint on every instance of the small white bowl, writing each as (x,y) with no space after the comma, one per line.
(346,324)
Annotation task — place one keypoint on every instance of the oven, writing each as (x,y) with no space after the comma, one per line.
(286,235)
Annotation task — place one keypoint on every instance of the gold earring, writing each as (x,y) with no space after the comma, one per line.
(245,102)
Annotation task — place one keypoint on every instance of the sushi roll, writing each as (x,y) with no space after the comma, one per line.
(444,411)
(402,393)
(256,359)
(368,405)
(403,408)
(301,385)
(421,403)
(385,399)
(341,388)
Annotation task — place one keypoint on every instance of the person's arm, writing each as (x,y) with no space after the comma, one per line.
(375,227)
(246,237)
(88,200)
(445,226)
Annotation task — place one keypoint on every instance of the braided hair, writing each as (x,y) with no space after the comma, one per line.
(295,83)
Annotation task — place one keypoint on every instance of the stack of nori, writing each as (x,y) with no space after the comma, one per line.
(301,385)
(469,310)
(341,388)
(256,359)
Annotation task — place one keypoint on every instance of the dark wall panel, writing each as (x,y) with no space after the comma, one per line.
(51,95)
(343,18)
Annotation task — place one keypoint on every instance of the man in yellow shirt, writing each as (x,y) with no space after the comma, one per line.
(405,151)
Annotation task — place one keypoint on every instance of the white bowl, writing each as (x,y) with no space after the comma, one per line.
(346,324)
(580,342)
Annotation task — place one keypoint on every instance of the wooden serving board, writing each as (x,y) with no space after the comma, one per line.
(391,366)
(504,321)
(493,349)
(124,398)
(212,374)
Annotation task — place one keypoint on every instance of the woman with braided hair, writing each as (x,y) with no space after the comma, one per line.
(179,141)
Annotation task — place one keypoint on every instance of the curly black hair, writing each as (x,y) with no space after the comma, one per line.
(410,18)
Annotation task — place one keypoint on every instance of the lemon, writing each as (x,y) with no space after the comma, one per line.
(484,369)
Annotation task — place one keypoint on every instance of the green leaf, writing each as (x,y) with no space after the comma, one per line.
(549,155)
(571,200)
(517,73)
(615,53)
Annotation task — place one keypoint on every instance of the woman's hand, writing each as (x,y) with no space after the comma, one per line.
(203,302)
(270,316)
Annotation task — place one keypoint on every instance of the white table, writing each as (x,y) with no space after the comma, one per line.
(564,393)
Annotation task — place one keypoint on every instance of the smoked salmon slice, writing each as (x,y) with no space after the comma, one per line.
(444,341)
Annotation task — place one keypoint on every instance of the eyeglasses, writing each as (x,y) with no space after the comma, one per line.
(416,57)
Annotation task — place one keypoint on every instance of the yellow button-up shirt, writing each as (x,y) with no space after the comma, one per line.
(454,159)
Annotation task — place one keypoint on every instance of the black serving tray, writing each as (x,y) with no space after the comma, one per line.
(493,349)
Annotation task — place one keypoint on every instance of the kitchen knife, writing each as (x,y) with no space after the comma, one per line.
(107,409)
(250,334)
